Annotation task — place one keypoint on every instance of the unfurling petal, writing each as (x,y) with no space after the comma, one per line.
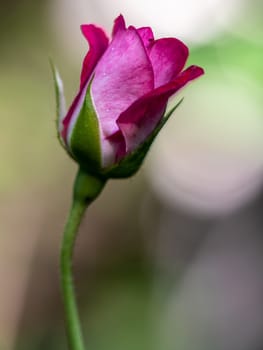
(168,57)
(98,43)
(141,118)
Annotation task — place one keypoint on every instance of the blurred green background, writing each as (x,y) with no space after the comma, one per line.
(172,258)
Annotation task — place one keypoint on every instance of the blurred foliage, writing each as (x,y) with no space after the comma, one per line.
(232,51)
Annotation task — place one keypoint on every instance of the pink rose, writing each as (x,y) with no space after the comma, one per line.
(125,85)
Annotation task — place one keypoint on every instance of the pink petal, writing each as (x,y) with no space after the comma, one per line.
(119,24)
(123,75)
(147,37)
(168,57)
(117,142)
(72,113)
(142,117)
(98,43)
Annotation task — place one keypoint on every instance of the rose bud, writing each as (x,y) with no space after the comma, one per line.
(125,85)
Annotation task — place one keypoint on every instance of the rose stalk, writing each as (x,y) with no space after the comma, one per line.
(125,85)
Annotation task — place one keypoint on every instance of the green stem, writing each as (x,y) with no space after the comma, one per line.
(86,189)
(73,328)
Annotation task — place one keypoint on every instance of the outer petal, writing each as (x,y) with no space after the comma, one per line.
(119,24)
(142,117)
(123,75)
(98,43)
(131,163)
(168,57)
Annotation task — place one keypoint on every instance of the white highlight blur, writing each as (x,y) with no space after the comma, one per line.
(209,159)
(190,20)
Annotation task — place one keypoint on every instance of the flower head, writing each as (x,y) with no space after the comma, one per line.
(125,85)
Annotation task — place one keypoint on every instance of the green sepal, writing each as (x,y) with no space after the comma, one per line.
(60,100)
(131,163)
(84,141)
(87,187)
